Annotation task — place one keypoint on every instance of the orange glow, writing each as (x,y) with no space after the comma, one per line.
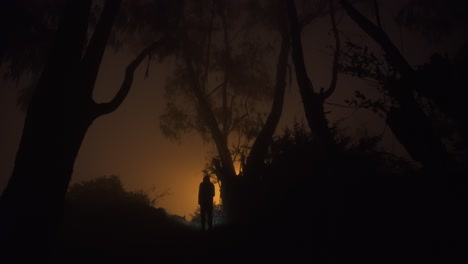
(183,198)
(237,167)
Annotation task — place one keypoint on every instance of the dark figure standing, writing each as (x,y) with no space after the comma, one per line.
(206,193)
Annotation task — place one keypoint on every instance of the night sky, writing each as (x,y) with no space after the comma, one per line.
(128,142)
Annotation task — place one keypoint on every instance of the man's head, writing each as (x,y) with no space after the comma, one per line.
(206,178)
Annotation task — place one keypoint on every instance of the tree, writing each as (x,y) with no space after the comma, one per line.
(410,121)
(406,119)
(216,44)
(57,118)
(441,22)
(313,100)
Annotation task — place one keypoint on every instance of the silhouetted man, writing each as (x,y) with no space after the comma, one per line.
(206,193)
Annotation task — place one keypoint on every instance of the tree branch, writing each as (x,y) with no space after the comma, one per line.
(205,75)
(215,89)
(377,14)
(105,108)
(227,69)
(336,56)
(259,148)
(304,83)
(396,58)
(93,55)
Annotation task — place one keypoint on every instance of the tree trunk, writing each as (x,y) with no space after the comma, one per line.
(31,206)
(313,102)
(413,130)
(32,203)
(256,159)
(225,170)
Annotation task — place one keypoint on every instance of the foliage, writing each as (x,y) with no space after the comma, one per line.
(435,20)
(32,27)
(298,177)
(360,61)
(443,106)
(141,22)
(229,61)
(27,35)
(108,191)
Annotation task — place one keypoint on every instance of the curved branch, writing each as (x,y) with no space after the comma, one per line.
(94,53)
(106,108)
(305,85)
(336,56)
(236,122)
(259,149)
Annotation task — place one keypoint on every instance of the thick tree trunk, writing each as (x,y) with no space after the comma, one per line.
(58,117)
(249,185)
(231,194)
(32,203)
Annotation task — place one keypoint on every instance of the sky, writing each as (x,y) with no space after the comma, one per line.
(128,142)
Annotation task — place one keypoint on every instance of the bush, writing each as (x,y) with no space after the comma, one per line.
(108,191)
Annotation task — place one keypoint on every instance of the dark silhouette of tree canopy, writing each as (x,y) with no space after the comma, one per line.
(433,19)
(358,195)
(422,120)
(57,118)
(407,120)
(26,33)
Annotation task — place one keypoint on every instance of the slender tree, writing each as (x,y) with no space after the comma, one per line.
(222,73)
(313,100)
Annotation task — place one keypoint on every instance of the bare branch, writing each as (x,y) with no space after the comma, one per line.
(216,88)
(237,121)
(97,45)
(105,108)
